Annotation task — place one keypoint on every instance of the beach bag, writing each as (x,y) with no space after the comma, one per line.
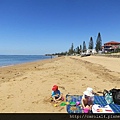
(116,95)
(108,96)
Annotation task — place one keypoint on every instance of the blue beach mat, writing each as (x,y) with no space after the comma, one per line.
(97,100)
(73,98)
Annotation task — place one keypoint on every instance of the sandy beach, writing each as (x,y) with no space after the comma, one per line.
(26,88)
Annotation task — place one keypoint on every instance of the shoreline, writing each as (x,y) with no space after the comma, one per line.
(22,66)
(20,61)
(26,88)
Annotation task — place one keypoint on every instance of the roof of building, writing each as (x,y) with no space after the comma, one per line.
(112,42)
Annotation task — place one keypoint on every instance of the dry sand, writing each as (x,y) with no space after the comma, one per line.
(27,87)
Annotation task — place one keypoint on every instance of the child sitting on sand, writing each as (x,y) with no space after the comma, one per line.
(87,99)
(56,94)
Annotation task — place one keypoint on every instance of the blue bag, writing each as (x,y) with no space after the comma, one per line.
(109,97)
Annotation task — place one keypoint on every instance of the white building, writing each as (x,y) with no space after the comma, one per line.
(91,51)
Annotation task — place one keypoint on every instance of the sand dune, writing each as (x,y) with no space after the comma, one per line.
(27,87)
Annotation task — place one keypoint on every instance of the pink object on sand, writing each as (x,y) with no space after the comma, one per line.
(62,98)
(86,110)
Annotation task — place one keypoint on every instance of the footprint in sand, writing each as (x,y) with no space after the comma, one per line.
(43,81)
(62,87)
(97,76)
(36,102)
(84,85)
(10,96)
(95,87)
(39,94)
(14,80)
(104,81)
(25,78)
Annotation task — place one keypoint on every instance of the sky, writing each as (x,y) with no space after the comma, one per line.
(38,27)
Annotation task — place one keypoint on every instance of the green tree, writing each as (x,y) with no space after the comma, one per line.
(117,50)
(84,46)
(71,50)
(80,48)
(90,43)
(74,51)
(98,43)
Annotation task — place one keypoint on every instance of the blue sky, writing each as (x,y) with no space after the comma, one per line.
(49,26)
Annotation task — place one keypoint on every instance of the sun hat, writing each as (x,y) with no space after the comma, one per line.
(55,87)
(89,89)
(88,93)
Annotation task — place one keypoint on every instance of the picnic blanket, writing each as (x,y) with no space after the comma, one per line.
(97,100)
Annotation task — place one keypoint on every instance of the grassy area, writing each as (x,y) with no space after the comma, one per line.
(116,55)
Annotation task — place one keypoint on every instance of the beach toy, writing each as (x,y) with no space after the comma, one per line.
(86,110)
(62,98)
(55,105)
(63,104)
(67,103)
(51,99)
(77,103)
(72,103)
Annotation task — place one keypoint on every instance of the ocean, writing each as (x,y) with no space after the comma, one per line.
(7,60)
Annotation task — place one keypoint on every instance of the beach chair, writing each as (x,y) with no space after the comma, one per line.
(97,100)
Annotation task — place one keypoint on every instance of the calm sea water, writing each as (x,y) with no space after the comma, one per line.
(6,60)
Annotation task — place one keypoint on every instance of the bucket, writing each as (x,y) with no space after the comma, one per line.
(86,110)
(77,103)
